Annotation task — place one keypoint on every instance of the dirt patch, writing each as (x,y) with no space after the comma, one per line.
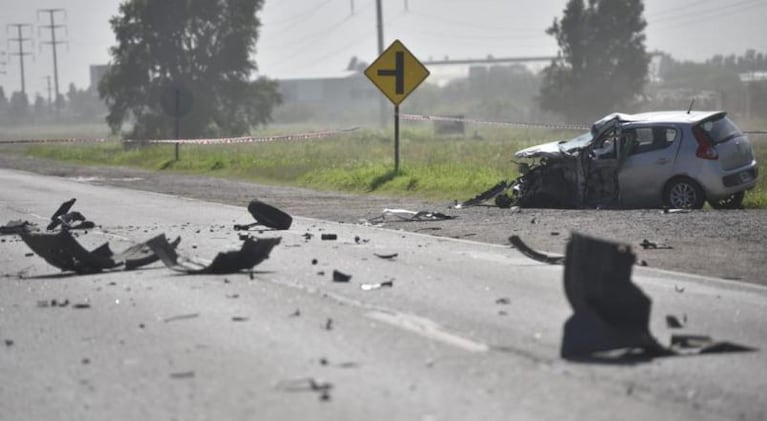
(720,244)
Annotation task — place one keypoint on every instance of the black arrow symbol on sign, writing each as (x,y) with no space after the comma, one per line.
(398,72)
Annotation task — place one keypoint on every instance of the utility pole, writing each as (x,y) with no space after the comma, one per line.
(3,62)
(21,53)
(381,100)
(53,43)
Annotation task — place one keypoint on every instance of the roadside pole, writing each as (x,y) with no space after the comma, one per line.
(178,123)
(396,73)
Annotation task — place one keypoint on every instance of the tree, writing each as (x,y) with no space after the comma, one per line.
(198,49)
(18,109)
(602,63)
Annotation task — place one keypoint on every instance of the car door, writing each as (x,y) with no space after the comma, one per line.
(648,164)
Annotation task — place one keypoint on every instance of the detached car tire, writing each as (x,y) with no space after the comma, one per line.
(733,201)
(269,216)
(683,193)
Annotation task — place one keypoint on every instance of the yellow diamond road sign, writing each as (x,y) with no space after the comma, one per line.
(396,72)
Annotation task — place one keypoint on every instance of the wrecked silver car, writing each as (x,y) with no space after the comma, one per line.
(672,159)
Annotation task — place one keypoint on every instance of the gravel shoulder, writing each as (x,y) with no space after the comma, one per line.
(719,244)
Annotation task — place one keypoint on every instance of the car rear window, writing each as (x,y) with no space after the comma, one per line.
(721,129)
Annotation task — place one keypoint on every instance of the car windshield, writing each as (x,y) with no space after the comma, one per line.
(576,143)
(721,130)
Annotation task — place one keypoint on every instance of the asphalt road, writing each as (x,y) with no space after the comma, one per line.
(467,331)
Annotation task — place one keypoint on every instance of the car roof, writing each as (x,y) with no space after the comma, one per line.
(661,117)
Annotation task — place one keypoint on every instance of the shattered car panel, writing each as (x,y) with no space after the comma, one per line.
(252,252)
(64,252)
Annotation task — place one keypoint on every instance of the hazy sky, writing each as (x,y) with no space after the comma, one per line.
(306,38)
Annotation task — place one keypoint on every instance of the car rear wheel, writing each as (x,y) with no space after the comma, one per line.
(683,193)
(733,201)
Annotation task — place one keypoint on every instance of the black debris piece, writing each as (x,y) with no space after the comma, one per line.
(359,240)
(269,216)
(307,236)
(252,252)
(60,249)
(239,319)
(611,314)
(503,301)
(327,237)
(81,306)
(387,256)
(370,287)
(9,342)
(678,289)
(181,317)
(643,263)
(16,227)
(314,261)
(646,244)
(296,313)
(307,385)
(329,324)
(69,220)
(28,254)
(341,277)
(672,322)
(483,197)
(533,254)
(675,211)
(702,344)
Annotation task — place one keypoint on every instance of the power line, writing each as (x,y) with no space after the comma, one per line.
(53,43)
(20,40)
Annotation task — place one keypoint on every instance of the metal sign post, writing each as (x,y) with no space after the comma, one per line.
(396,73)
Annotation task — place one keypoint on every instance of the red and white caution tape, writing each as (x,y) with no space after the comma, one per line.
(210,141)
(418,117)
(63,140)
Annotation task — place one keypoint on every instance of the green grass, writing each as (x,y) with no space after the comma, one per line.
(432,167)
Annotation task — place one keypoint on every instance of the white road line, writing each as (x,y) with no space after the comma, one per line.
(427,328)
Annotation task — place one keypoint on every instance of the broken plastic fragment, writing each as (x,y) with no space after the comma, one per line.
(646,244)
(535,255)
(64,252)
(341,277)
(611,314)
(327,237)
(15,227)
(672,322)
(370,287)
(388,256)
(252,252)
(491,193)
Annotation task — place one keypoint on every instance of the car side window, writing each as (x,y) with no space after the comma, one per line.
(652,138)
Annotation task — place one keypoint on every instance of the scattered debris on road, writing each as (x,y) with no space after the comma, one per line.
(69,220)
(611,313)
(646,244)
(181,317)
(370,287)
(388,256)
(308,384)
(64,252)
(339,276)
(252,252)
(329,237)
(533,254)
(404,215)
(16,227)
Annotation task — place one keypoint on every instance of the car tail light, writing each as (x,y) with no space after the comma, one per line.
(705,150)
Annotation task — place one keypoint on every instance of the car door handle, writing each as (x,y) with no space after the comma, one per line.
(662,161)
